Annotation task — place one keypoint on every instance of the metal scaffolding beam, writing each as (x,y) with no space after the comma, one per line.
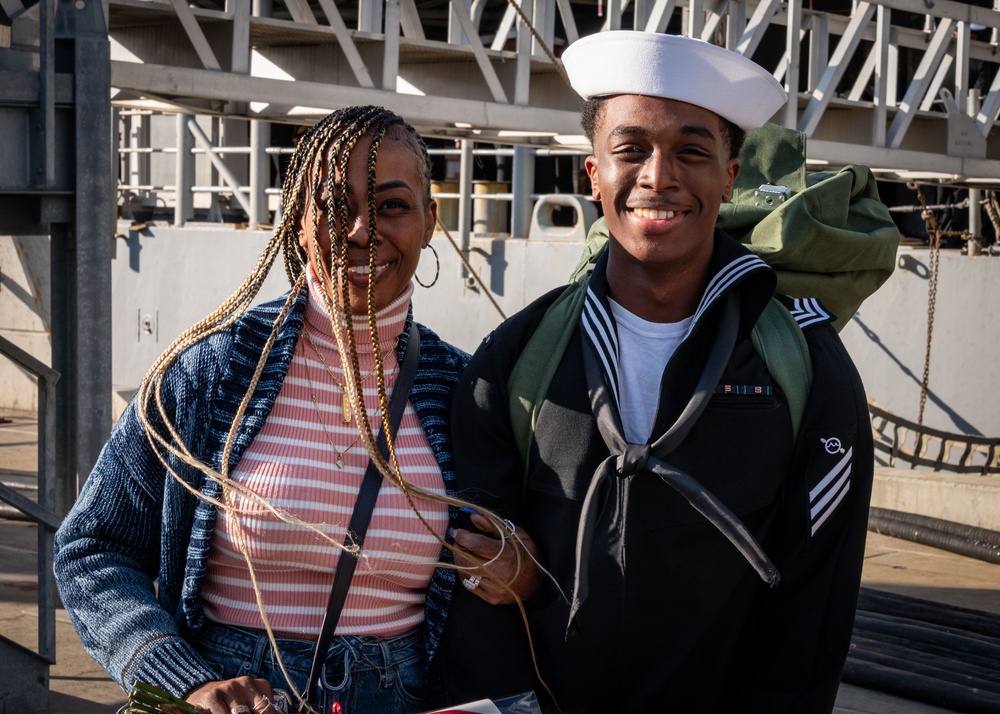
(453,70)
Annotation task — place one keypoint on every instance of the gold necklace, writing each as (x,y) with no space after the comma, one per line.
(345,401)
(319,415)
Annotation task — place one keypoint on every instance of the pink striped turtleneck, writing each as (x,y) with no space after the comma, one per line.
(309,462)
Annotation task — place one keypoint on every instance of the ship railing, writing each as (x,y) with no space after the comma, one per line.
(903,440)
(157,181)
(42,511)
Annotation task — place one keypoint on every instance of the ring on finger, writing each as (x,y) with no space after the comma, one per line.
(510,526)
(240,709)
(471,583)
(282,702)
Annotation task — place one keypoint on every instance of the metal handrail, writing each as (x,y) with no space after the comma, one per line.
(43,512)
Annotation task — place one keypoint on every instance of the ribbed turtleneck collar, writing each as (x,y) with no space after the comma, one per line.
(390,319)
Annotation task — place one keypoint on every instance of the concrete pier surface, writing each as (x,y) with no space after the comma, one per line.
(79,686)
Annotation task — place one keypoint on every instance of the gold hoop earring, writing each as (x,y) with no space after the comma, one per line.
(437,270)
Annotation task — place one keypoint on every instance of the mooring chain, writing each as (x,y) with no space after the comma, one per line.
(992,204)
(934,238)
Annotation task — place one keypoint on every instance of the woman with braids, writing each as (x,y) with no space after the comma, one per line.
(235,479)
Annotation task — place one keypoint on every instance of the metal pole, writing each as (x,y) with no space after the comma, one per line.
(81,254)
(94,240)
(183,203)
(974,245)
(522,186)
(465,202)
(45,171)
(522,71)
(390,56)
(793,71)
(47,499)
(62,293)
(370,16)
(214,213)
(260,170)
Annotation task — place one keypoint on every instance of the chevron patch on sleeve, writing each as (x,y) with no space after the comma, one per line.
(833,486)
(809,311)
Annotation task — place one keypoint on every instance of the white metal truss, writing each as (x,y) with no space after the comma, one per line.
(871,85)
(891,84)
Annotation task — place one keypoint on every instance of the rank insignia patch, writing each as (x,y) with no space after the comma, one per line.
(834,481)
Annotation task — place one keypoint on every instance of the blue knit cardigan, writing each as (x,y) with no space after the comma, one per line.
(134,524)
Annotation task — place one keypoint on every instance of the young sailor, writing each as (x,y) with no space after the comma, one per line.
(703,558)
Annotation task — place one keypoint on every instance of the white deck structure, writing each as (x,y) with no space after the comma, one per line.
(906,86)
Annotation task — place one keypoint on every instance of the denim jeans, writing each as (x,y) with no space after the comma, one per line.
(366,674)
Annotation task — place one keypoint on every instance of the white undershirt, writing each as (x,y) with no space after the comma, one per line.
(644,348)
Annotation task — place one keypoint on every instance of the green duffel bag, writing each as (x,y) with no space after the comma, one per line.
(826,234)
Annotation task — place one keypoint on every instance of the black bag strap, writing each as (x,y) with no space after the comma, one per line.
(363,507)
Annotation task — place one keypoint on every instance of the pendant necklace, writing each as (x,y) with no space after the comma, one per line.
(346,411)
(319,415)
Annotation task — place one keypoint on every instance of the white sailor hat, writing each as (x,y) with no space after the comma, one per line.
(674,67)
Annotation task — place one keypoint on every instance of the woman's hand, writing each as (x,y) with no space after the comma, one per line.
(512,566)
(243,695)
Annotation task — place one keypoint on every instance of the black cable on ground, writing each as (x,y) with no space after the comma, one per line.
(969,541)
(929,675)
(942,655)
(984,535)
(948,616)
(926,651)
(918,688)
(943,663)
